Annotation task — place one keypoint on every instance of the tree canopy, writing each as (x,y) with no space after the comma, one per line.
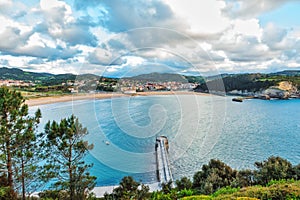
(65,149)
(18,141)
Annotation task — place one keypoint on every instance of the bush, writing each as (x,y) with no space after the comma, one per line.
(213,176)
(274,168)
(226,190)
(183,183)
(198,197)
(185,193)
(54,194)
(278,190)
(284,189)
(282,181)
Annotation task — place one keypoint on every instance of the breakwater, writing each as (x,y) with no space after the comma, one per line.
(163,171)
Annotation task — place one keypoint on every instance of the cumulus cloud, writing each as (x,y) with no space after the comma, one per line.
(163,35)
(104,57)
(277,38)
(250,9)
(60,24)
(134,14)
(12,37)
(8,7)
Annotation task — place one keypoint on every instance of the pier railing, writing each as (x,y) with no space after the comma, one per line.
(163,171)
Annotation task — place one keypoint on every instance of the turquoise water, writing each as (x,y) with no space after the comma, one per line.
(199,128)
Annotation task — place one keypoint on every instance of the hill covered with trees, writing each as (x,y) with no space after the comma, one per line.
(229,82)
(250,82)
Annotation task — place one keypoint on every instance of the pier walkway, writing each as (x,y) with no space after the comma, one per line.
(163,171)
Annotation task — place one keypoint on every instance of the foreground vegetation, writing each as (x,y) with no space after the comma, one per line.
(274,178)
(284,189)
(55,157)
(30,160)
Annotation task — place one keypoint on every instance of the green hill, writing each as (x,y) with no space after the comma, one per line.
(250,82)
(46,79)
(287,73)
(18,74)
(159,77)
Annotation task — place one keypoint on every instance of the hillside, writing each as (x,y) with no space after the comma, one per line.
(159,77)
(18,74)
(251,82)
(46,79)
(287,73)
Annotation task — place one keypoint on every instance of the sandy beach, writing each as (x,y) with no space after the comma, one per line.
(75,97)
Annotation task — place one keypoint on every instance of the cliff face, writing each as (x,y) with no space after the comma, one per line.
(276,93)
(284,90)
(287,86)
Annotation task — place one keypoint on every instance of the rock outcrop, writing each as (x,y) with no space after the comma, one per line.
(284,90)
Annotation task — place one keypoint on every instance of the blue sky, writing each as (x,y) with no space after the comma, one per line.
(286,16)
(126,37)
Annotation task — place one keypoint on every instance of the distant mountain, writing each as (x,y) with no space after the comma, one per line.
(287,73)
(229,82)
(87,77)
(42,78)
(159,77)
(18,74)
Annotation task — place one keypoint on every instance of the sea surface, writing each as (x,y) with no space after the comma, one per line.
(199,128)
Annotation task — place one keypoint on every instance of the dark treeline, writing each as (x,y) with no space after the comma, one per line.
(250,82)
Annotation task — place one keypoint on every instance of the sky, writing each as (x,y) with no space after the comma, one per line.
(128,37)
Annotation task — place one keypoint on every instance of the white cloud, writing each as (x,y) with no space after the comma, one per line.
(16,61)
(251,8)
(201,16)
(51,8)
(87,36)
(248,27)
(37,39)
(133,60)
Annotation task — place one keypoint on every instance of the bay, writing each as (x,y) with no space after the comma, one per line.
(199,128)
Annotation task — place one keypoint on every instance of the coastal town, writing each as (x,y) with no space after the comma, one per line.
(281,85)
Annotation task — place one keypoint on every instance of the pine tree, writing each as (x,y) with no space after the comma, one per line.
(65,151)
(17,136)
(28,157)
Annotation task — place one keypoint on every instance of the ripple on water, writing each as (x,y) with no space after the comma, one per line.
(250,131)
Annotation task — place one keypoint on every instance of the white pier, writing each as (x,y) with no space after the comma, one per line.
(163,171)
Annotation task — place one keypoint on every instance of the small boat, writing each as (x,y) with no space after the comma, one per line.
(107,143)
(237,99)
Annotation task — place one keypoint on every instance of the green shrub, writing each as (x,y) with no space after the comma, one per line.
(198,197)
(226,190)
(54,195)
(185,193)
(282,181)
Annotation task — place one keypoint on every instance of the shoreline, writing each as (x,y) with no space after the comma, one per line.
(85,96)
(99,191)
